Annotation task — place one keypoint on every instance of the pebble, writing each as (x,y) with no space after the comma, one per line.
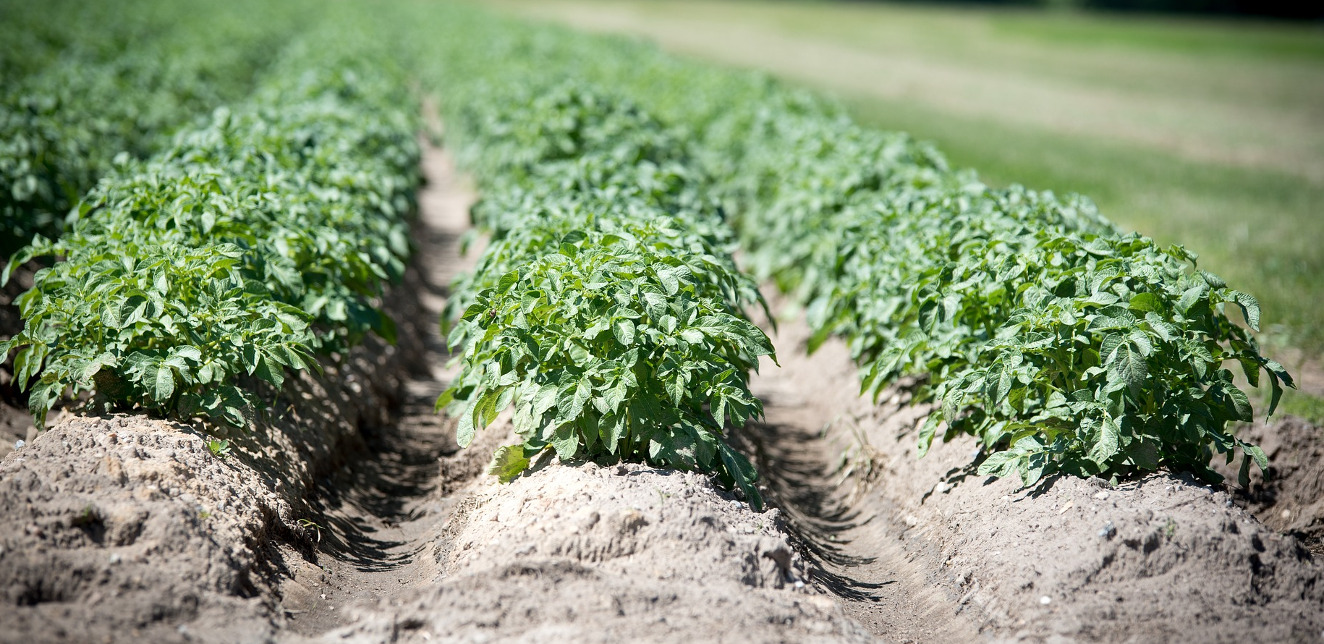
(1108,530)
(1287,514)
(1045,600)
(115,558)
(18,444)
(942,487)
(1101,496)
(799,584)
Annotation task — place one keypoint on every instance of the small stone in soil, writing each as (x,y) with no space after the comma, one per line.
(18,444)
(1045,600)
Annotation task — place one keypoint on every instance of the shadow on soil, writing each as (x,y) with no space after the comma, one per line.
(817,517)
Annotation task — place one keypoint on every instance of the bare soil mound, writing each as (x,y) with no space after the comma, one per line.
(352,515)
(120,527)
(583,553)
(1291,498)
(117,528)
(608,554)
(1153,560)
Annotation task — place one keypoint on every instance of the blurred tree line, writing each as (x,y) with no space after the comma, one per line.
(1300,9)
(1289,9)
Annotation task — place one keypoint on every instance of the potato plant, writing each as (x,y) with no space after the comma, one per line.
(255,241)
(606,310)
(119,86)
(1064,344)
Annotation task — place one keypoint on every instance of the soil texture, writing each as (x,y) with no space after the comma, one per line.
(127,528)
(564,554)
(351,515)
(1163,558)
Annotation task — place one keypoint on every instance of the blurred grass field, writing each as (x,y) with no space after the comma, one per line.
(1195,131)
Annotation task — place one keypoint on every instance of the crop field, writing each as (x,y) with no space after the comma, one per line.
(1198,132)
(411,321)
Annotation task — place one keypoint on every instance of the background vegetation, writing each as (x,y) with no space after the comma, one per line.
(1198,131)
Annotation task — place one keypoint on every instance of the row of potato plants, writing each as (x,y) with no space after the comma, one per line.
(1065,345)
(254,241)
(92,85)
(606,309)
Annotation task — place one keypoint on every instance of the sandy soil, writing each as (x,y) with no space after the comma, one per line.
(565,554)
(123,528)
(1291,500)
(608,554)
(1154,560)
(353,516)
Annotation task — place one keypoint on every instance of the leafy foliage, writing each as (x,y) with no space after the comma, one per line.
(117,87)
(220,448)
(255,241)
(1063,344)
(606,310)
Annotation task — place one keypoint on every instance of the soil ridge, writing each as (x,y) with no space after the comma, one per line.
(1157,559)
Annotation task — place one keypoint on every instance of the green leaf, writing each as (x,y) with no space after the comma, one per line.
(669,280)
(508,280)
(508,462)
(926,433)
(464,431)
(1126,364)
(611,429)
(445,399)
(1108,443)
(1250,308)
(268,372)
(163,383)
(928,316)
(1240,403)
(565,440)
(1146,302)
(742,472)
(1000,464)
(623,329)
